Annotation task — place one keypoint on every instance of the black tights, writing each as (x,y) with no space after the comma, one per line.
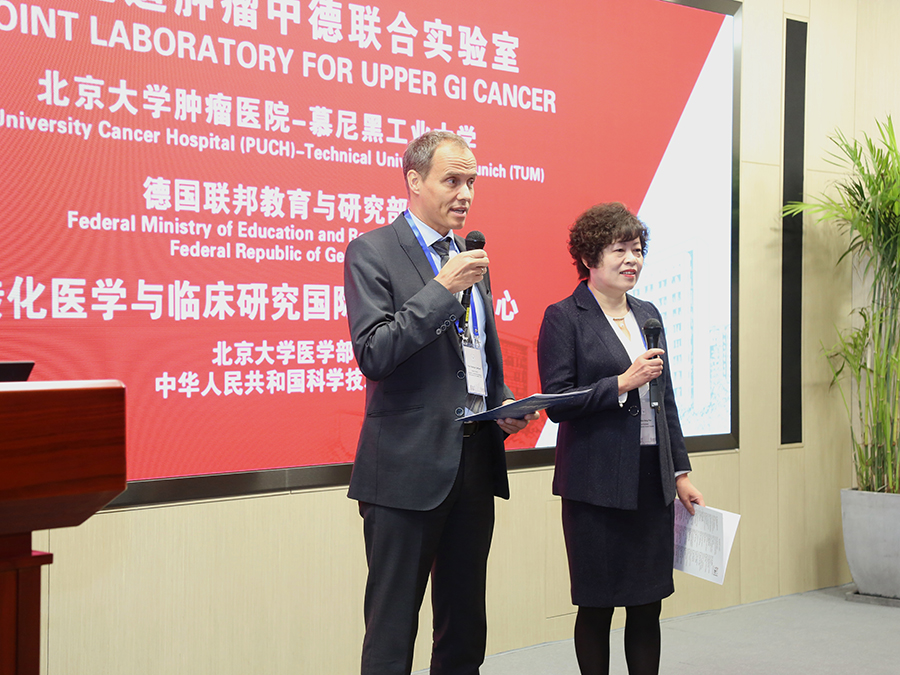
(641,639)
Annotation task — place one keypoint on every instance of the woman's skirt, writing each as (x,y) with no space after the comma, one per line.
(620,558)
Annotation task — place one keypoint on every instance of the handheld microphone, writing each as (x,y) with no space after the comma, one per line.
(474,242)
(652,329)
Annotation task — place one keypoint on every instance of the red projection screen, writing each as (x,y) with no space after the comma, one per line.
(180,179)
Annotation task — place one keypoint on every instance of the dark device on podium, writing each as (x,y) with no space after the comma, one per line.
(15,371)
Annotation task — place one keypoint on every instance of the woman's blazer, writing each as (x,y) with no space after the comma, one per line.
(598,443)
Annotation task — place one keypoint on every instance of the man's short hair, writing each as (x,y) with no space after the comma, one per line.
(420,152)
(597,228)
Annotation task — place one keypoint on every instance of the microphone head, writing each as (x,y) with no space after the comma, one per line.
(474,240)
(652,326)
(652,329)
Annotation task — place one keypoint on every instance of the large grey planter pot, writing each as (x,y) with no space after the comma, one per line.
(872,541)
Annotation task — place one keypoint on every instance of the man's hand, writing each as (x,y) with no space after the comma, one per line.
(511,425)
(463,270)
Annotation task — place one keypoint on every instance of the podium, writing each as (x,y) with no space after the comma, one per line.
(62,458)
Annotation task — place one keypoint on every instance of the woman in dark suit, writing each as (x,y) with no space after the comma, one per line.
(620,461)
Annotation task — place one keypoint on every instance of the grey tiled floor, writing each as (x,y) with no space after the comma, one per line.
(819,633)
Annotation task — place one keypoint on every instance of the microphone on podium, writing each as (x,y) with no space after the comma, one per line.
(652,329)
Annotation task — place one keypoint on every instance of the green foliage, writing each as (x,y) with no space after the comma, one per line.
(867,210)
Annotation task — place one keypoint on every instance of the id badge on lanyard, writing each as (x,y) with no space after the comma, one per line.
(471,346)
(648,421)
(474,366)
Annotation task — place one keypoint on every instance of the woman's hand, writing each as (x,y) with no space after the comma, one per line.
(648,366)
(687,493)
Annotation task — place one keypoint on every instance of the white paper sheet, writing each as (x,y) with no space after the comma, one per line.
(703,541)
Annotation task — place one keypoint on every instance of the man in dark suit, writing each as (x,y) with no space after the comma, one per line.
(426,482)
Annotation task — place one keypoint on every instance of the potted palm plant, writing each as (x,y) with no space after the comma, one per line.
(865,361)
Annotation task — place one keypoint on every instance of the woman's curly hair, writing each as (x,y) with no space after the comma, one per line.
(597,228)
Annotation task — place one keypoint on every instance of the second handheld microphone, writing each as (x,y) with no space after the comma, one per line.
(652,329)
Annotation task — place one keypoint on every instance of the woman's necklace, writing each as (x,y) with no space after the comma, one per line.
(620,322)
(605,303)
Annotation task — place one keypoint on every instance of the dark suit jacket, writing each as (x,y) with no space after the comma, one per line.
(597,448)
(402,324)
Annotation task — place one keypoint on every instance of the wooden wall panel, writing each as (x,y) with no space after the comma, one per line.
(761,78)
(759,363)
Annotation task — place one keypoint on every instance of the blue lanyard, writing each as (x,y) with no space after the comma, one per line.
(470,310)
(425,247)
